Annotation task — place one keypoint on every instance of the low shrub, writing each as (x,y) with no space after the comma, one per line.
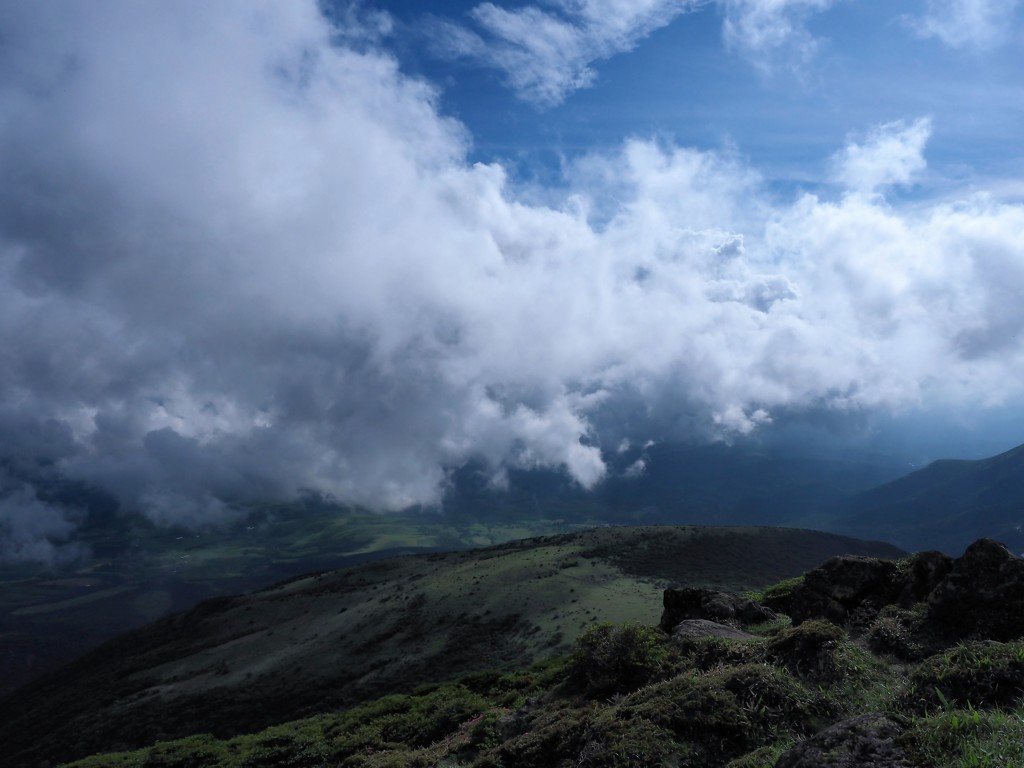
(611,659)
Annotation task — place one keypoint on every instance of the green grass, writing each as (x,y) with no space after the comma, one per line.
(70,610)
(331,640)
(626,695)
(968,738)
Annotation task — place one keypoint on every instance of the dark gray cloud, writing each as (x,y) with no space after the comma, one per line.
(242,257)
(33,530)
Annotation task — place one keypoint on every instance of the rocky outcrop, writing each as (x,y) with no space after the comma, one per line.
(843,586)
(848,589)
(865,741)
(923,573)
(721,607)
(977,595)
(930,600)
(983,595)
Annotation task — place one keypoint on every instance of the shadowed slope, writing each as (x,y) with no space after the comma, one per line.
(333,639)
(947,505)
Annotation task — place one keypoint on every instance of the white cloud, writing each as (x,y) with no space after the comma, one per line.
(267,266)
(547,54)
(967,23)
(770,31)
(892,154)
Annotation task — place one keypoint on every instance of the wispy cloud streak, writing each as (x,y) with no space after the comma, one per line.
(977,24)
(547,54)
(770,32)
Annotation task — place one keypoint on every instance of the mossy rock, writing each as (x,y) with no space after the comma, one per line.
(812,650)
(779,596)
(979,674)
(866,741)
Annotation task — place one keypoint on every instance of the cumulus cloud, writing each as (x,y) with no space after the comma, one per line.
(265,267)
(892,154)
(966,23)
(547,54)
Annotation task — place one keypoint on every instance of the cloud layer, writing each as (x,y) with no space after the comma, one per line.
(242,257)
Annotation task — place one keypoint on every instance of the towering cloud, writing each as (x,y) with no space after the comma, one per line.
(242,255)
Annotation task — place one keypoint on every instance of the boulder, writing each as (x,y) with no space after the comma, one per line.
(924,572)
(842,586)
(721,607)
(690,628)
(983,594)
(862,741)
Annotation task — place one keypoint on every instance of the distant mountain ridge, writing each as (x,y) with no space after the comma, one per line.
(945,505)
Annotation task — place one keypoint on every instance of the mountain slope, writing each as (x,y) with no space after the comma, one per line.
(946,505)
(333,639)
(137,572)
(877,669)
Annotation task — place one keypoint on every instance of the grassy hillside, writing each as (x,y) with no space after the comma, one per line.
(338,638)
(891,685)
(137,572)
(714,703)
(140,572)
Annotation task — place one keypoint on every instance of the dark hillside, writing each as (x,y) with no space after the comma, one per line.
(913,663)
(330,640)
(946,505)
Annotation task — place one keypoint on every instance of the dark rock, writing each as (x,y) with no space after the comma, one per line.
(850,590)
(983,594)
(721,607)
(924,572)
(865,740)
(842,586)
(690,628)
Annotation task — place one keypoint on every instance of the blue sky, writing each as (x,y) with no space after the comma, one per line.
(784,107)
(252,249)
